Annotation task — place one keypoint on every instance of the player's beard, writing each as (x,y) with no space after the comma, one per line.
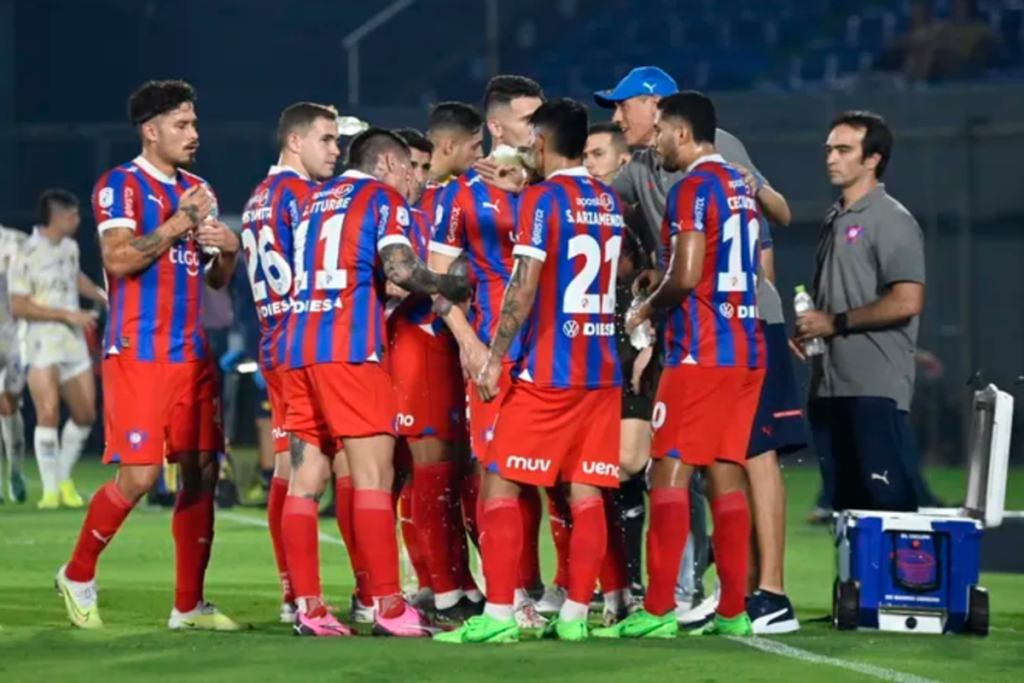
(187,157)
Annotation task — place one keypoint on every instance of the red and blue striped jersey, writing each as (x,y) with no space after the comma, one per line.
(268,223)
(479,219)
(573,223)
(431,195)
(154,314)
(717,325)
(337,309)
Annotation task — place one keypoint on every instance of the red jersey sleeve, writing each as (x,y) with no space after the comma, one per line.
(449,232)
(533,226)
(116,201)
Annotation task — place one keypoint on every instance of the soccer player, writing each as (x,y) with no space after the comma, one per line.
(307,138)
(12,377)
(480,219)
(606,151)
(559,306)
(431,421)
(350,239)
(456,132)
(159,238)
(715,359)
(45,283)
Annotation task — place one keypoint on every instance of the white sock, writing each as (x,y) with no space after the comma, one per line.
(447,600)
(614,601)
(474,596)
(72,441)
(572,611)
(45,442)
(520,596)
(500,612)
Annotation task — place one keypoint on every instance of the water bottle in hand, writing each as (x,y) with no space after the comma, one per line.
(802,304)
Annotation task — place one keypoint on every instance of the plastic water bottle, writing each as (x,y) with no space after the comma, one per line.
(642,335)
(803,303)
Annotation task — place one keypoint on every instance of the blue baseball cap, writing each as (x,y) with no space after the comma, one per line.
(643,80)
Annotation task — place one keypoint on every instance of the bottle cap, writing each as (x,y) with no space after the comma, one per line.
(800,289)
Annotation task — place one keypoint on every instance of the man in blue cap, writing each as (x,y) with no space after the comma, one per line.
(645,182)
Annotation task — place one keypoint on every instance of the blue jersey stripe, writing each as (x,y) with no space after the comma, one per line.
(594,343)
(307,258)
(561,356)
(179,308)
(725,343)
(362,297)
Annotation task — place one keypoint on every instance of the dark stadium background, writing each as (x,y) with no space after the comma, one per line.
(779,69)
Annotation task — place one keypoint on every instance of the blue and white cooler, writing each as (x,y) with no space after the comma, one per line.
(919,572)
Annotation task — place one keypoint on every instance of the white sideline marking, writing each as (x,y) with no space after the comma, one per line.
(776,648)
(260,522)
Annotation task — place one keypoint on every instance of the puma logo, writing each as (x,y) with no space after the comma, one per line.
(884,476)
(101,538)
(650,87)
(496,206)
(158,200)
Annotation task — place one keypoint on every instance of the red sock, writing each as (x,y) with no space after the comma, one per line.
(302,547)
(586,547)
(529,561)
(731,516)
(502,547)
(614,573)
(275,508)
(666,539)
(560,519)
(431,513)
(343,506)
(378,544)
(192,526)
(469,491)
(107,511)
(412,537)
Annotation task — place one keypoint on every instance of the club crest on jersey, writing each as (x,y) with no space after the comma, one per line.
(136,439)
(402,216)
(853,234)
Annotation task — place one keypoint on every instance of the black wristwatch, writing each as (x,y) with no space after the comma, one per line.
(842,324)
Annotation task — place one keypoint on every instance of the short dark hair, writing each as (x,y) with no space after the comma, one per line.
(53,200)
(416,140)
(367,147)
(158,97)
(566,123)
(456,116)
(696,109)
(877,135)
(501,90)
(613,129)
(301,115)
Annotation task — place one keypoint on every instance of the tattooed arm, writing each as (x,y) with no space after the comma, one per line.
(684,273)
(403,268)
(515,308)
(125,253)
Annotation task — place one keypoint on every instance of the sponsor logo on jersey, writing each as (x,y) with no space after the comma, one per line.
(129,201)
(453,224)
(698,214)
(537,237)
(572,329)
(315,305)
(728,311)
(603,200)
(523,464)
(402,420)
(182,254)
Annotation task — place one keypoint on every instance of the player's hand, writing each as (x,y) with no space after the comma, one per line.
(85,320)
(213,233)
(487,381)
(798,350)
(195,206)
(647,281)
(637,317)
(473,355)
(394,291)
(814,325)
(508,177)
(639,366)
(749,179)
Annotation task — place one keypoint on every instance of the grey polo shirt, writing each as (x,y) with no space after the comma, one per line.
(643,181)
(864,250)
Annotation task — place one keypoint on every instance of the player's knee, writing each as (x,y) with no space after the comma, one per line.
(136,481)
(724,478)
(632,461)
(47,412)
(7,404)
(282,466)
(84,416)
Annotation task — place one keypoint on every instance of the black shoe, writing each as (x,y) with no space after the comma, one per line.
(771,614)
(457,614)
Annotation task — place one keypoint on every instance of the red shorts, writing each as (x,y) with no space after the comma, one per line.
(275,391)
(157,409)
(428,383)
(547,435)
(482,415)
(331,401)
(705,414)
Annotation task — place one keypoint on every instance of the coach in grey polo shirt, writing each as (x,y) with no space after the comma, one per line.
(643,181)
(869,291)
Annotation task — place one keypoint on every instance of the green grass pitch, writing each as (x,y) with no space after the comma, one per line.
(136,579)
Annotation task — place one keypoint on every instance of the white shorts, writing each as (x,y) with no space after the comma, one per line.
(57,345)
